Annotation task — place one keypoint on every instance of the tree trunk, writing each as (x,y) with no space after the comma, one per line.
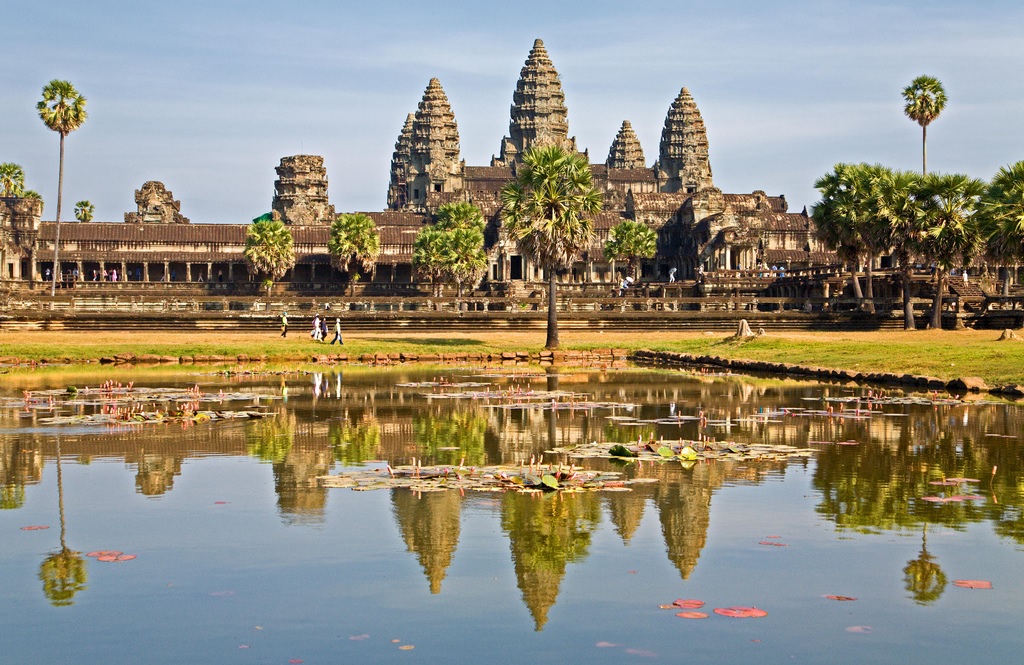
(924,149)
(56,237)
(871,282)
(856,282)
(552,341)
(940,276)
(908,308)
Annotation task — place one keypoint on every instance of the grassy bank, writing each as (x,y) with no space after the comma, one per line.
(944,354)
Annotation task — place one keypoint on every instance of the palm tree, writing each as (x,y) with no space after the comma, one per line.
(466,258)
(461,214)
(925,98)
(950,233)
(842,214)
(354,237)
(63,573)
(269,250)
(12,180)
(545,210)
(1002,218)
(899,214)
(61,109)
(428,255)
(631,241)
(84,210)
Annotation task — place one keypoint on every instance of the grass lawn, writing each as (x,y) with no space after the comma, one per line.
(944,354)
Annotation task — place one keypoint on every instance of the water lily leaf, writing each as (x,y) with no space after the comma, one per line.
(692,615)
(739,612)
(34,527)
(689,604)
(665,451)
(843,598)
(549,481)
(619,450)
(688,453)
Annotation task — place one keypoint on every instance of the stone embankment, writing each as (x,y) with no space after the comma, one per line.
(960,385)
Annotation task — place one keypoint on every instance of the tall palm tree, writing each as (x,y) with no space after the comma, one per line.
(354,237)
(631,241)
(460,214)
(61,109)
(1002,218)
(950,233)
(545,210)
(12,180)
(269,250)
(466,258)
(84,211)
(925,98)
(899,214)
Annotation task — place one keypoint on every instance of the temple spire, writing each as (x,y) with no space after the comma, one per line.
(538,115)
(398,187)
(625,152)
(683,158)
(434,162)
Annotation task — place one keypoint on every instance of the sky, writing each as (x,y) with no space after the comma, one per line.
(208,96)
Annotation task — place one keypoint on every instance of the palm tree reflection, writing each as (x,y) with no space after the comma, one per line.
(63,573)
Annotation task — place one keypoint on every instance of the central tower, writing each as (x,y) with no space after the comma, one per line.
(539,115)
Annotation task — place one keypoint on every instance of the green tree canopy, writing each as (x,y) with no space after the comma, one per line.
(1001,215)
(899,211)
(924,98)
(631,241)
(12,180)
(950,233)
(269,250)
(84,211)
(354,238)
(453,248)
(61,109)
(546,210)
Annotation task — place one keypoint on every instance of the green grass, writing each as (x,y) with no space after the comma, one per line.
(944,354)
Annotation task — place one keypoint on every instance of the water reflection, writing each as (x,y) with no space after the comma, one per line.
(63,573)
(328,420)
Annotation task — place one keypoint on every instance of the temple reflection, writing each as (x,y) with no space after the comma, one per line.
(318,422)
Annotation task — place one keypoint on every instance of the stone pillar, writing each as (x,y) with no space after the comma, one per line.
(209,271)
(167,272)
(145,271)
(231,272)
(123,272)
(312,272)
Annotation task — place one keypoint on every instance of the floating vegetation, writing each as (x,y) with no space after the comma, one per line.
(685,451)
(126,404)
(741,612)
(498,478)
(972,584)
(518,398)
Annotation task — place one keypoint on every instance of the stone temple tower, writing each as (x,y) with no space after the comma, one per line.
(625,152)
(398,189)
(433,164)
(539,115)
(300,192)
(683,164)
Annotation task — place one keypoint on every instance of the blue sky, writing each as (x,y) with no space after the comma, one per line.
(208,96)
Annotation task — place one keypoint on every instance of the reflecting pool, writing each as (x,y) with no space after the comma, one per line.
(243,556)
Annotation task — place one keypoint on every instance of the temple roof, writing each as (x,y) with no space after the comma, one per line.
(435,135)
(658,201)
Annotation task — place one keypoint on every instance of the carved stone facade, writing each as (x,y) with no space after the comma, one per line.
(300,192)
(433,165)
(156,205)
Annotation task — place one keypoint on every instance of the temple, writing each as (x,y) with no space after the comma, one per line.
(699,227)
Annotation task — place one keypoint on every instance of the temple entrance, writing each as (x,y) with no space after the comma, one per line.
(515,267)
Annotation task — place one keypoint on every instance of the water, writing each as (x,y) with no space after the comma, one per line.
(243,558)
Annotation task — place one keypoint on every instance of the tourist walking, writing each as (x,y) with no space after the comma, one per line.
(323,329)
(315,332)
(284,323)
(337,332)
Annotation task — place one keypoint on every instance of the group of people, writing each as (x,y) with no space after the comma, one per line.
(320,330)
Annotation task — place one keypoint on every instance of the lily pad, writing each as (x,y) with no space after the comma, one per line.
(740,612)
(692,615)
(619,450)
(973,584)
